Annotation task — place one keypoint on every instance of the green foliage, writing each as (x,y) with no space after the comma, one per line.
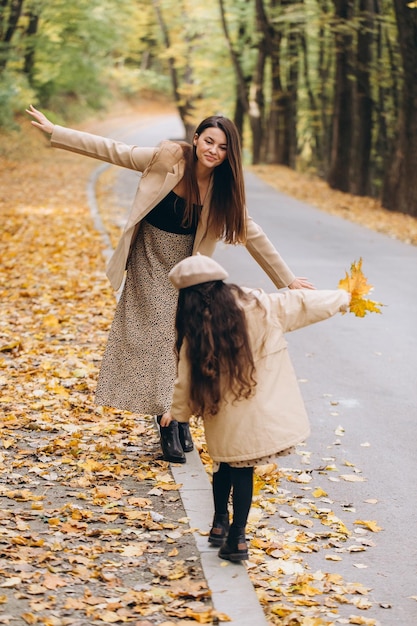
(14,89)
(76,44)
(132,80)
(76,49)
(85,52)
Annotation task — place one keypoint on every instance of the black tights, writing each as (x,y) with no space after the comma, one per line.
(239,480)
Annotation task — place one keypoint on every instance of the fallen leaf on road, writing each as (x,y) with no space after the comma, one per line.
(369,524)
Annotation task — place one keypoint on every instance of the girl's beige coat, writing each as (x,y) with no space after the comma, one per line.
(275,417)
(162,168)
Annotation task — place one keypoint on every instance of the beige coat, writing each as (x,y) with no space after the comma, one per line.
(162,168)
(275,417)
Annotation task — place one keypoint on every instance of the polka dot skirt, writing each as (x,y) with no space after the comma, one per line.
(139,365)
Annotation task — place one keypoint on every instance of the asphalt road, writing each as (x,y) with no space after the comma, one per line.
(358,378)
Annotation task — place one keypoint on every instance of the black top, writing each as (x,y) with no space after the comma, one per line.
(169,213)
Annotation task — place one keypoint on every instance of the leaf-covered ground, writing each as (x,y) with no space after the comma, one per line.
(363,210)
(82,539)
(292,518)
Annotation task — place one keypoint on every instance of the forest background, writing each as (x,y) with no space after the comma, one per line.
(320,86)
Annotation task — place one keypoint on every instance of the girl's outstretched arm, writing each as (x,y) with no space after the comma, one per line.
(297,308)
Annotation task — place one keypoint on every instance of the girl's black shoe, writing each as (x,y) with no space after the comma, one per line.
(170,442)
(185,436)
(219,530)
(235,548)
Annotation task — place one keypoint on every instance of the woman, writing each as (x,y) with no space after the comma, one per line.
(188,198)
(235,372)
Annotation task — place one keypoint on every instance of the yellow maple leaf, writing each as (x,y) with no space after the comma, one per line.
(357,285)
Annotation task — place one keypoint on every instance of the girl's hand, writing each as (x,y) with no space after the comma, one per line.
(301,283)
(41,121)
(166,419)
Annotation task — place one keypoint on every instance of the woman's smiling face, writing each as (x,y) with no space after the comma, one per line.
(211,147)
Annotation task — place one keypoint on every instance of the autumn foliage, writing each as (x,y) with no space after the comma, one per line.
(83,539)
(357,285)
(81,488)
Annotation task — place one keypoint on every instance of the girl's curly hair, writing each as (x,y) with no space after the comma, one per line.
(210,319)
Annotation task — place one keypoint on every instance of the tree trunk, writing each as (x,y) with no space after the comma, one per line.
(256,98)
(31,31)
(184,105)
(242,97)
(239,115)
(363,107)
(292,109)
(340,163)
(281,146)
(249,100)
(325,56)
(316,139)
(8,27)
(274,144)
(381,142)
(400,183)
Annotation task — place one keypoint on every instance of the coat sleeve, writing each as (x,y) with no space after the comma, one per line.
(265,254)
(301,307)
(180,408)
(102,148)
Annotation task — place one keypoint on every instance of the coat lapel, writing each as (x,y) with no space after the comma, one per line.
(148,196)
(202,227)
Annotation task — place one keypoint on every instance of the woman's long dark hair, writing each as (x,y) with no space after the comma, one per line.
(228,201)
(210,319)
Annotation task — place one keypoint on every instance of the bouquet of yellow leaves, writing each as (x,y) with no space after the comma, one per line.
(357,285)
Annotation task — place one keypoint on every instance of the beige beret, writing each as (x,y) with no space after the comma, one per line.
(196,269)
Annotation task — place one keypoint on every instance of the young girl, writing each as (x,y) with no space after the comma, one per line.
(188,198)
(235,372)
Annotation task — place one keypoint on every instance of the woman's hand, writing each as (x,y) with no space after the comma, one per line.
(40,120)
(301,283)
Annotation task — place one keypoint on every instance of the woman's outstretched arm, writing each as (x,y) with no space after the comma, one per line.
(94,146)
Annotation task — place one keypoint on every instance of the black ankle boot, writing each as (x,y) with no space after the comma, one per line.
(185,436)
(219,530)
(235,548)
(170,442)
